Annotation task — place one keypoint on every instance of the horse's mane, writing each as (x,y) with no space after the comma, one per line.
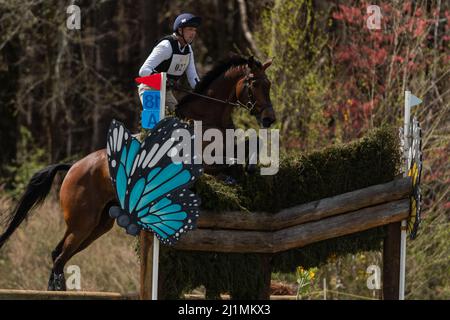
(219,68)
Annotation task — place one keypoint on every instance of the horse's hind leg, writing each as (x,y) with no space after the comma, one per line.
(79,227)
(55,253)
(58,249)
(71,243)
(105,224)
(84,193)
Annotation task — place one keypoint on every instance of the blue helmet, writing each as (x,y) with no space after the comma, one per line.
(186,20)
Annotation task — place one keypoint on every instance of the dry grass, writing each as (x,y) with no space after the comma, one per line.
(109,264)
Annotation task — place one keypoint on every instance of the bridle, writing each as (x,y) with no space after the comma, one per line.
(250,106)
(251,103)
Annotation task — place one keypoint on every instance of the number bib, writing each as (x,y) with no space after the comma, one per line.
(151,113)
(179,64)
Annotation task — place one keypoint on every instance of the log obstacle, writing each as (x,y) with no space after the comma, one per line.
(298,226)
(7,294)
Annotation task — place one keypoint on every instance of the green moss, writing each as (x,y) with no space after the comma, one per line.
(302,178)
(218,196)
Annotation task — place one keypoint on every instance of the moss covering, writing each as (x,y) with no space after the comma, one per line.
(374,159)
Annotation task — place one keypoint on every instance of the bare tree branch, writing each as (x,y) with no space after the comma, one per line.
(247,33)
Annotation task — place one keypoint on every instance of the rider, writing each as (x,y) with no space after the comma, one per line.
(173,54)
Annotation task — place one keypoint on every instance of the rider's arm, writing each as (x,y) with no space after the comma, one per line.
(191,72)
(161,52)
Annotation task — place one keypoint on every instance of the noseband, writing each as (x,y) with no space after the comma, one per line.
(251,103)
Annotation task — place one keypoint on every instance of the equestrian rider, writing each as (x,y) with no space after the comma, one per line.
(173,54)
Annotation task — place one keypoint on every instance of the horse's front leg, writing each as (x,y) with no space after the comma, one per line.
(251,151)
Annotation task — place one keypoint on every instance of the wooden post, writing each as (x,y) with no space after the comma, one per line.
(266,269)
(146,246)
(391,262)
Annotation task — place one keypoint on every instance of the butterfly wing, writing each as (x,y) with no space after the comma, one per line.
(171,216)
(122,149)
(166,205)
(164,146)
(150,185)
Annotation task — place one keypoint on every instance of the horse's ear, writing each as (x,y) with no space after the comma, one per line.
(267,64)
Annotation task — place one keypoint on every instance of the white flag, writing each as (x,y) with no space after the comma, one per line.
(414,101)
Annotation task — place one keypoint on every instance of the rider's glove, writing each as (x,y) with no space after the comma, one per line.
(172,84)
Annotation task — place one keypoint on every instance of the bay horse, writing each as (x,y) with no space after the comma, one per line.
(87,193)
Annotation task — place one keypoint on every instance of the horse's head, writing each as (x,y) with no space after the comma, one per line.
(254,90)
(235,77)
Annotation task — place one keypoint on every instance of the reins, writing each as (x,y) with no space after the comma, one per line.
(249,106)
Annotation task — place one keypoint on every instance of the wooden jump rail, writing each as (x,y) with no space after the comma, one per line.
(298,226)
(7,294)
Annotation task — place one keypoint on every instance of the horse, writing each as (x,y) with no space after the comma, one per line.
(87,194)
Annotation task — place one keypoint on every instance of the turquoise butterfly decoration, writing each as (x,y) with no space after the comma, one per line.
(152,188)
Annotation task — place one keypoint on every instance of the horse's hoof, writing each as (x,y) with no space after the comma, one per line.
(51,286)
(114,211)
(57,282)
(251,168)
(230,181)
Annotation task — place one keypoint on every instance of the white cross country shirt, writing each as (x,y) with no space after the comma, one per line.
(180,63)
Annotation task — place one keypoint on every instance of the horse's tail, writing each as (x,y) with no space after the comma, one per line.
(36,191)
